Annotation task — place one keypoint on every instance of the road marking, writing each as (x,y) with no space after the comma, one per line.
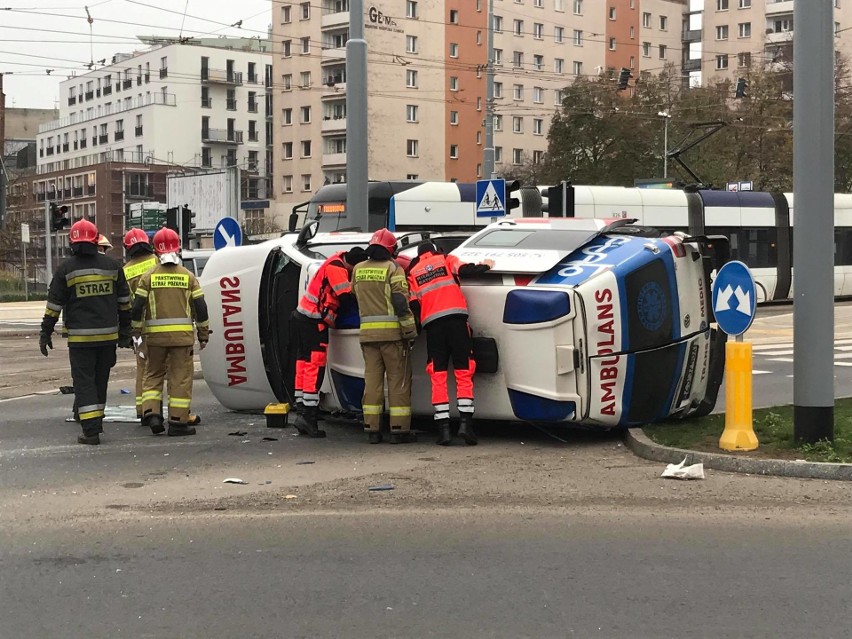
(767,353)
(31,395)
(761,372)
(843,363)
(780,359)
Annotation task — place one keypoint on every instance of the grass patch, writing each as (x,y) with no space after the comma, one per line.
(774,430)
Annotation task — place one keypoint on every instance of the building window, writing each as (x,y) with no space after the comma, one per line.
(518,27)
(454,16)
(662,52)
(517,124)
(287,82)
(518,92)
(538,126)
(538,62)
(306,10)
(411,44)
(305,112)
(498,123)
(744,59)
(517,156)
(454,118)
(646,19)
(498,24)
(287,150)
(612,13)
(411,78)
(721,62)
(721,5)
(498,89)
(538,31)
(454,50)
(632,32)
(577,67)
(612,44)
(454,151)
(745,29)
(286,183)
(305,79)
(664,23)
(411,148)
(498,57)
(286,117)
(306,182)
(286,48)
(578,38)
(538,95)
(722,32)
(559,65)
(498,154)
(306,45)
(558,35)
(517,59)
(411,9)
(411,113)
(557,97)
(746,4)
(646,49)
(578,7)
(285,15)
(454,83)
(252,131)
(632,62)
(306,148)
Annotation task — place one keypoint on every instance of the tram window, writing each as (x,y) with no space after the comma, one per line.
(842,246)
(759,247)
(732,233)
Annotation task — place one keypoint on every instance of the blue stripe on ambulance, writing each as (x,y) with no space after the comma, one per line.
(349,389)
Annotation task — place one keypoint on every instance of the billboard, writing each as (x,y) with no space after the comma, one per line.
(211,196)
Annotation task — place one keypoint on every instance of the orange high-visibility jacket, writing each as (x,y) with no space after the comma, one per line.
(433,280)
(322,299)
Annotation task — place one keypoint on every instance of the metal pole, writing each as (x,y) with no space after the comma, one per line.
(48,248)
(488,159)
(666,149)
(357,149)
(813,189)
(26,283)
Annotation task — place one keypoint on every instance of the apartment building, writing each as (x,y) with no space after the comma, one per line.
(723,39)
(643,35)
(202,103)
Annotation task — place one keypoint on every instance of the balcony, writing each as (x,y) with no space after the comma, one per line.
(40,197)
(103,139)
(220,76)
(165,99)
(231,104)
(252,107)
(147,78)
(252,136)
(779,6)
(207,103)
(692,65)
(774,37)
(340,19)
(72,101)
(89,95)
(119,136)
(90,190)
(66,193)
(335,124)
(693,35)
(77,191)
(50,150)
(221,136)
(138,131)
(65,147)
(333,159)
(253,79)
(127,84)
(336,54)
(94,140)
(108,90)
(164,72)
(83,143)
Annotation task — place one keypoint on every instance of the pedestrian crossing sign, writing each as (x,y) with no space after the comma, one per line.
(491,198)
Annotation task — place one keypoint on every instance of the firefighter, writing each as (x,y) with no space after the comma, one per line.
(328,293)
(434,282)
(140,260)
(104,244)
(92,291)
(387,334)
(168,298)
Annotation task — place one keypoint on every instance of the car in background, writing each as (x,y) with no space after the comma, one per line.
(196,259)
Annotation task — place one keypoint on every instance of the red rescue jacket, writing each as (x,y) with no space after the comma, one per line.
(322,299)
(433,280)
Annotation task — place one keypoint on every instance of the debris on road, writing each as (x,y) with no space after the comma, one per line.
(681,471)
(381,487)
(234,480)
(66,390)
(269,439)
(238,433)
(303,463)
(121,414)
(290,496)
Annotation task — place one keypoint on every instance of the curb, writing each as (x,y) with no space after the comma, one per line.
(638,442)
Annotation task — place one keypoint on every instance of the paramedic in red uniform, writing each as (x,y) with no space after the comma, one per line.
(434,282)
(328,293)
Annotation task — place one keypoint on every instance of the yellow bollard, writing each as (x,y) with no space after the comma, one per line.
(739,430)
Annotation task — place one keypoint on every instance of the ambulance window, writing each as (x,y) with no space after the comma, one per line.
(543,239)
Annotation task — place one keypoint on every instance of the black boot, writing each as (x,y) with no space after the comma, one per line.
(179,429)
(91,440)
(403,437)
(374,437)
(154,422)
(466,430)
(445,438)
(306,423)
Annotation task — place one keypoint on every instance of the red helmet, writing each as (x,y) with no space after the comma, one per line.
(135,236)
(83,231)
(385,238)
(166,241)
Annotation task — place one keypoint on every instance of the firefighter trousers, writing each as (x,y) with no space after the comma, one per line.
(394,360)
(311,358)
(176,364)
(90,366)
(448,340)
(141,362)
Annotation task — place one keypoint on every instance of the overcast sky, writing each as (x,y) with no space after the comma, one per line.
(55,36)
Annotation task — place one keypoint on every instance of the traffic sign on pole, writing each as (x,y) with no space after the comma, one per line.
(734,296)
(227,233)
(491,198)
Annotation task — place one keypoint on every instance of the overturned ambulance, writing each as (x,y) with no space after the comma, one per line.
(581,321)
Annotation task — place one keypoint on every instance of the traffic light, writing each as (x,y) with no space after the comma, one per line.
(187,225)
(624,79)
(172,221)
(512,202)
(58,221)
(742,85)
(560,200)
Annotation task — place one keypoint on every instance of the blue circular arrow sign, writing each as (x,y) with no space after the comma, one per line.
(227,233)
(734,298)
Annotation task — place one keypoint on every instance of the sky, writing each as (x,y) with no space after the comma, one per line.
(36,39)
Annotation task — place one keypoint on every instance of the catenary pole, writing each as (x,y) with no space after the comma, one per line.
(488,159)
(813,231)
(48,248)
(357,151)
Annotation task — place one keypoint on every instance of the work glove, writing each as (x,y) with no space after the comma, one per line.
(125,341)
(202,345)
(45,342)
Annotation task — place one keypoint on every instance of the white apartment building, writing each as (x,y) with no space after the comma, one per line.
(201,104)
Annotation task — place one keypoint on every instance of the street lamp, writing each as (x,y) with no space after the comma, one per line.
(666,117)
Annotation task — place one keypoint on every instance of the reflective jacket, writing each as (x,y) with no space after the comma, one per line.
(136,267)
(93,292)
(168,299)
(321,300)
(381,290)
(433,279)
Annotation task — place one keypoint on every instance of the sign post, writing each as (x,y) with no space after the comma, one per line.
(491,198)
(25,239)
(227,233)
(734,305)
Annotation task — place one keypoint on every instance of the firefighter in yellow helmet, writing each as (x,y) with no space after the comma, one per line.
(140,260)
(387,333)
(103,244)
(168,300)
